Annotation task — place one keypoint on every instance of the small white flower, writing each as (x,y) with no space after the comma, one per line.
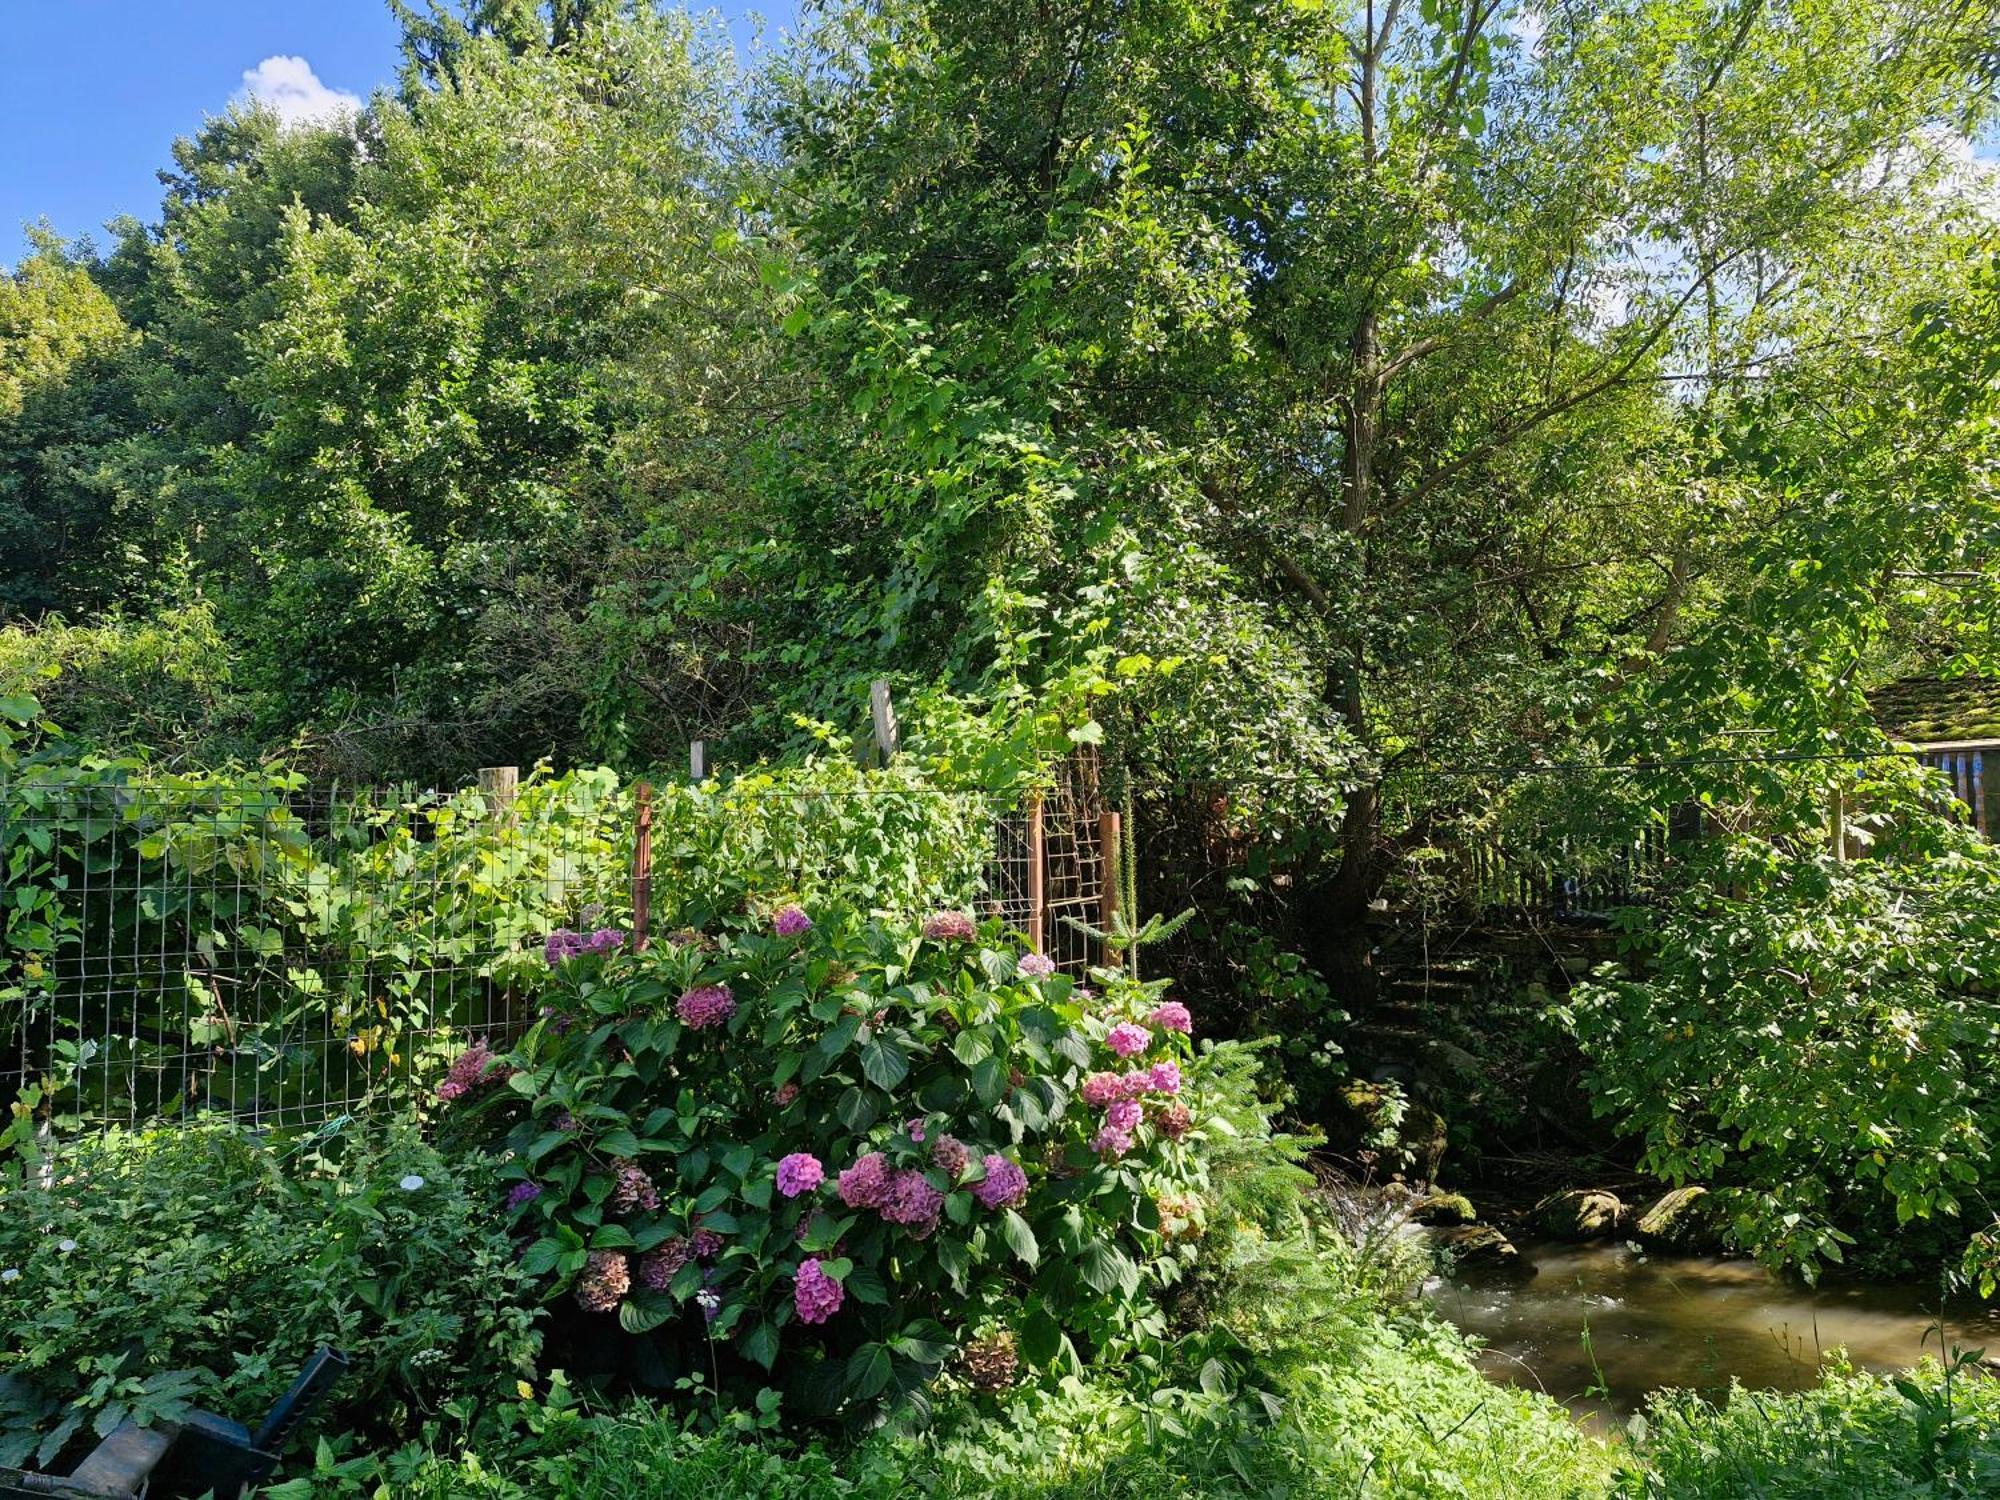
(411,1183)
(65,1246)
(12,1273)
(708,1298)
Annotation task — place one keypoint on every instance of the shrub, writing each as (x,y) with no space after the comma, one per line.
(1933,1432)
(140,1274)
(849,1146)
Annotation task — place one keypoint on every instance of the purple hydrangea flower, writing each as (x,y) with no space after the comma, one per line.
(634,1189)
(790,921)
(561,946)
(1111,1142)
(816,1295)
(912,1202)
(474,1067)
(916,1129)
(705,1005)
(522,1193)
(1005,1185)
(1035,966)
(705,1243)
(1126,1039)
(604,940)
(799,1173)
(657,1270)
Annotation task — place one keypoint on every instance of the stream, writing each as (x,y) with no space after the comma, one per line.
(1599,1325)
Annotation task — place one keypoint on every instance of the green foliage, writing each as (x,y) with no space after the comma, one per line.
(1933,1432)
(846,1043)
(1815,1038)
(141,1274)
(284,956)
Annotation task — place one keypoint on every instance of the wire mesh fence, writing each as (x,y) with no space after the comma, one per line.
(279,953)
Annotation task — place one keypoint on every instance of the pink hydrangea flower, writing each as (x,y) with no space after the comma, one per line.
(864,1184)
(1126,1039)
(1171,1015)
(790,921)
(785,1094)
(952,1155)
(912,1202)
(916,1129)
(1005,1184)
(1100,1089)
(1035,966)
(799,1173)
(1111,1142)
(1136,1084)
(949,926)
(1166,1078)
(1125,1115)
(475,1067)
(816,1295)
(705,1005)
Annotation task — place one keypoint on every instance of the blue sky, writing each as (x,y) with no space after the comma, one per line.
(93,92)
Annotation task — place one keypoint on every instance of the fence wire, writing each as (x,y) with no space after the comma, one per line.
(283,954)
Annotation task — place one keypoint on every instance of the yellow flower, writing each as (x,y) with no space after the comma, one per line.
(526,1391)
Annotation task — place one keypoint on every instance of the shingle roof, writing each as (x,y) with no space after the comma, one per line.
(1927,710)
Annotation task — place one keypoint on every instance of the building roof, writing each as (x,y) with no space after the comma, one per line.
(1934,710)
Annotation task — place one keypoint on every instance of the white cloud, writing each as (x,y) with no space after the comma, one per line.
(289,86)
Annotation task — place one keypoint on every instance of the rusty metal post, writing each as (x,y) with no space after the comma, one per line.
(642,870)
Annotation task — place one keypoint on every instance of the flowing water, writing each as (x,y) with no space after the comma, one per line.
(1600,1325)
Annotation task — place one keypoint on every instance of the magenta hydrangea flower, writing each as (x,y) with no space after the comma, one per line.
(912,1202)
(1111,1142)
(706,1005)
(790,921)
(864,1184)
(1126,1039)
(1165,1078)
(799,1173)
(1171,1015)
(1136,1084)
(475,1067)
(523,1192)
(1100,1089)
(816,1295)
(952,1155)
(604,940)
(1035,966)
(948,926)
(1124,1115)
(1005,1184)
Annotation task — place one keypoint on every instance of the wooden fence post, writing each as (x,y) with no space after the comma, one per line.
(1110,838)
(1038,884)
(888,736)
(698,760)
(642,870)
(498,786)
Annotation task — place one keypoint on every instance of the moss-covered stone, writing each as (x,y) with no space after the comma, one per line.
(1444,1208)
(1580,1214)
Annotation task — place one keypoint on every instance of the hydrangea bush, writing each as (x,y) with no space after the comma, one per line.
(831,1148)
